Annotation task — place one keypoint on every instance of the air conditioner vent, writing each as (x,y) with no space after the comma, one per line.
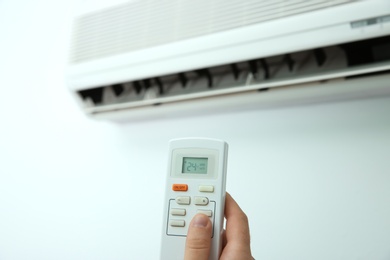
(143,24)
(314,65)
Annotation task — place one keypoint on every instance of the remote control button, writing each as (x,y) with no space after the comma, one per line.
(178,212)
(206,188)
(201,201)
(177,223)
(208,213)
(179,187)
(183,200)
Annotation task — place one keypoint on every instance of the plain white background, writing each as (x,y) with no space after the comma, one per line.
(314,179)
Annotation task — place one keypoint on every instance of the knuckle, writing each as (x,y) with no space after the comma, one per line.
(198,243)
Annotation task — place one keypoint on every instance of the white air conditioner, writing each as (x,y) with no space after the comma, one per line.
(143,59)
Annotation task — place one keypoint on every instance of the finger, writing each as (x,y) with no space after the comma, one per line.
(237,227)
(198,240)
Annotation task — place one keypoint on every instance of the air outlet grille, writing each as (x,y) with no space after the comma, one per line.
(143,24)
(338,62)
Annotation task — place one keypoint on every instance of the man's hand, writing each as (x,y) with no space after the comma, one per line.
(236,244)
(198,241)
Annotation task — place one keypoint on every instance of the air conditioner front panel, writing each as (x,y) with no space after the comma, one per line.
(245,47)
(277,36)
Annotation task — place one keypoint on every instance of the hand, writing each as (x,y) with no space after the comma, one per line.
(236,241)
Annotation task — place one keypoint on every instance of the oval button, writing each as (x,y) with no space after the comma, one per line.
(208,213)
(201,201)
(179,187)
(178,212)
(184,200)
(177,223)
(206,188)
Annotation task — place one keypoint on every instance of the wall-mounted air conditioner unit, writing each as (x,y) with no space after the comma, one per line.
(138,59)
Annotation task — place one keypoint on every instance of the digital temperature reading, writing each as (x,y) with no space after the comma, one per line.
(194,165)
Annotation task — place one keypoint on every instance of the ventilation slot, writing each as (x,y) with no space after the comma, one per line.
(142,24)
(345,61)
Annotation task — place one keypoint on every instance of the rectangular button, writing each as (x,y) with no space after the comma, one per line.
(177,223)
(208,213)
(179,187)
(206,188)
(178,212)
(185,200)
(202,201)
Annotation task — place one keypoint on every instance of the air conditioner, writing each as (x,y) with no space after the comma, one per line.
(145,59)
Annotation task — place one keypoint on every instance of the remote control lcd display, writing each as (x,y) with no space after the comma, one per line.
(194,165)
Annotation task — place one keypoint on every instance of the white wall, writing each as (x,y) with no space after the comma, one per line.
(314,180)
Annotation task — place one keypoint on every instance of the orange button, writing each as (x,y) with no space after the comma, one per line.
(179,187)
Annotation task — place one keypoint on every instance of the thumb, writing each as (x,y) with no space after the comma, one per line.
(198,241)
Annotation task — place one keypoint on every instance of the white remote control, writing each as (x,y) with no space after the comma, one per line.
(196,183)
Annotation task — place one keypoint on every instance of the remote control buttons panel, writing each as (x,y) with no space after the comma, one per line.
(182,208)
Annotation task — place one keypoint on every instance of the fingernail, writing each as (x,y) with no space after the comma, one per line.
(200,220)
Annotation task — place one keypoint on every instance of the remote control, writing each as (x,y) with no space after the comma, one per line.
(196,183)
